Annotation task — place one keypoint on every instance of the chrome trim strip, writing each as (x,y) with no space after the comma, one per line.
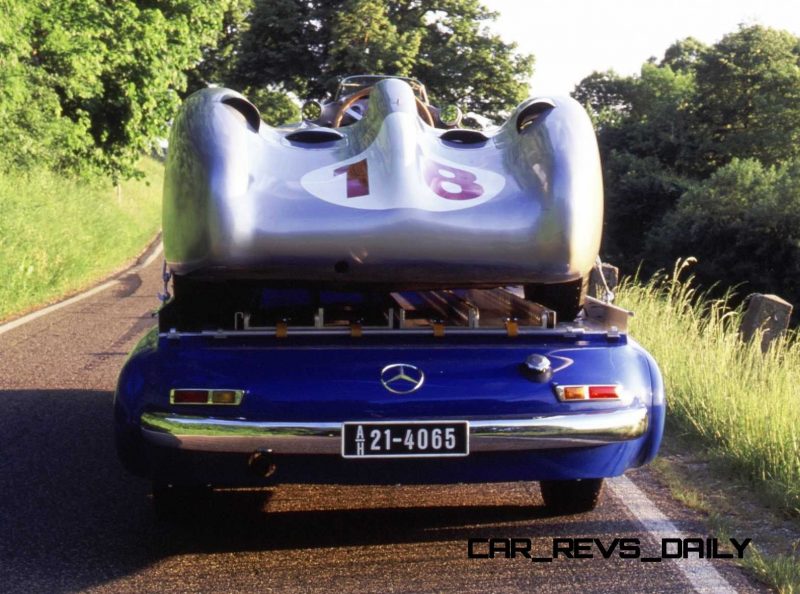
(567,332)
(208,434)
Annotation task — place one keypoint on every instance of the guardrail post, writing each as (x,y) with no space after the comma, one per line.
(768,313)
(611,274)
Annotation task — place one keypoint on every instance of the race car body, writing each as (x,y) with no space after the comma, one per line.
(378,296)
(388,199)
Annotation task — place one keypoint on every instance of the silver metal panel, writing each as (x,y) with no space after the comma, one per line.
(390,199)
(209,434)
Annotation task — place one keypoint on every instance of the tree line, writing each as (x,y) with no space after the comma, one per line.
(86,86)
(701,149)
(701,157)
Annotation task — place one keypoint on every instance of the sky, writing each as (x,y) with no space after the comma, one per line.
(572,38)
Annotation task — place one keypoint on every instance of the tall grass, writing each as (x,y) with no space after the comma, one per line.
(59,234)
(742,404)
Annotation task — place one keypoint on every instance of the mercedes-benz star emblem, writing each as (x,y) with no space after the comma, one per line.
(402,378)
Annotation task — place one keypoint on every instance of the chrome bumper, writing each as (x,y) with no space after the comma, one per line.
(208,434)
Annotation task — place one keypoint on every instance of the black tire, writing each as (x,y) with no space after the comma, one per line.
(130,451)
(571,497)
(566,299)
(178,502)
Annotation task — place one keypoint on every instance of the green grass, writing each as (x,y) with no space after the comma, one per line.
(743,406)
(735,510)
(782,572)
(58,235)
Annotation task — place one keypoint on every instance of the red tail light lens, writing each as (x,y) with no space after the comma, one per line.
(189,397)
(603,392)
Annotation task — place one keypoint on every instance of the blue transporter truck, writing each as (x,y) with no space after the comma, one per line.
(379,295)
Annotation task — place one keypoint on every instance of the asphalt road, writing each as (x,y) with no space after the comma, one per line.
(72,520)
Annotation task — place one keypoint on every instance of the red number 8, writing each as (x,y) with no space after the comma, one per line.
(437,174)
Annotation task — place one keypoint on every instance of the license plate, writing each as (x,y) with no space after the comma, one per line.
(405,439)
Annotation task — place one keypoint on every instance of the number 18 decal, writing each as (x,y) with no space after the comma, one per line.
(446,181)
(373,182)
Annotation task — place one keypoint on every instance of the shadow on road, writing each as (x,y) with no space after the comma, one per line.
(70,517)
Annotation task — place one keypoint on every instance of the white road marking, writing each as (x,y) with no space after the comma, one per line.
(703,577)
(151,258)
(79,297)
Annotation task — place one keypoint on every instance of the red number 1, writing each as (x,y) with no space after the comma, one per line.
(357,178)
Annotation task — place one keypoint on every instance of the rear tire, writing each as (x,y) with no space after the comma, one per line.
(566,299)
(571,497)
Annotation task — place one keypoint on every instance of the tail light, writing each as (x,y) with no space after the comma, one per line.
(201,396)
(602,392)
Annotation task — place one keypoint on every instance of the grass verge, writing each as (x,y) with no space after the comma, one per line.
(742,405)
(732,444)
(733,509)
(58,235)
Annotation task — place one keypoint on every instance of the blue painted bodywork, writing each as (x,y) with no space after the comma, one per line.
(336,378)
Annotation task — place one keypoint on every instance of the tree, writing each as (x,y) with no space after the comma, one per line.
(607,97)
(108,75)
(275,105)
(664,132)
(639,192)
(364,39)
(642,124)
(304,46)
(460,60)
(285,44)
(748,98)
(32,131)
(219,56)
(742,224)
(684,55)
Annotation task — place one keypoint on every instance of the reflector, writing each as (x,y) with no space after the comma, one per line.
(223,397)
(575,393)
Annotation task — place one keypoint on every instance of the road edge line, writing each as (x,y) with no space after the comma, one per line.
(703,576)
(8,326)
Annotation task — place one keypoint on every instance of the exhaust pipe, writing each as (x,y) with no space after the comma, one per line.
(262,463)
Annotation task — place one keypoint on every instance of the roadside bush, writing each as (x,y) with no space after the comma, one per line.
(88,85)
(742,225)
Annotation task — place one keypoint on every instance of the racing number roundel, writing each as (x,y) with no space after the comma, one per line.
(450,183)
(394,172)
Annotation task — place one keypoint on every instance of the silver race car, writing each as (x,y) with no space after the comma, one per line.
(378,188)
